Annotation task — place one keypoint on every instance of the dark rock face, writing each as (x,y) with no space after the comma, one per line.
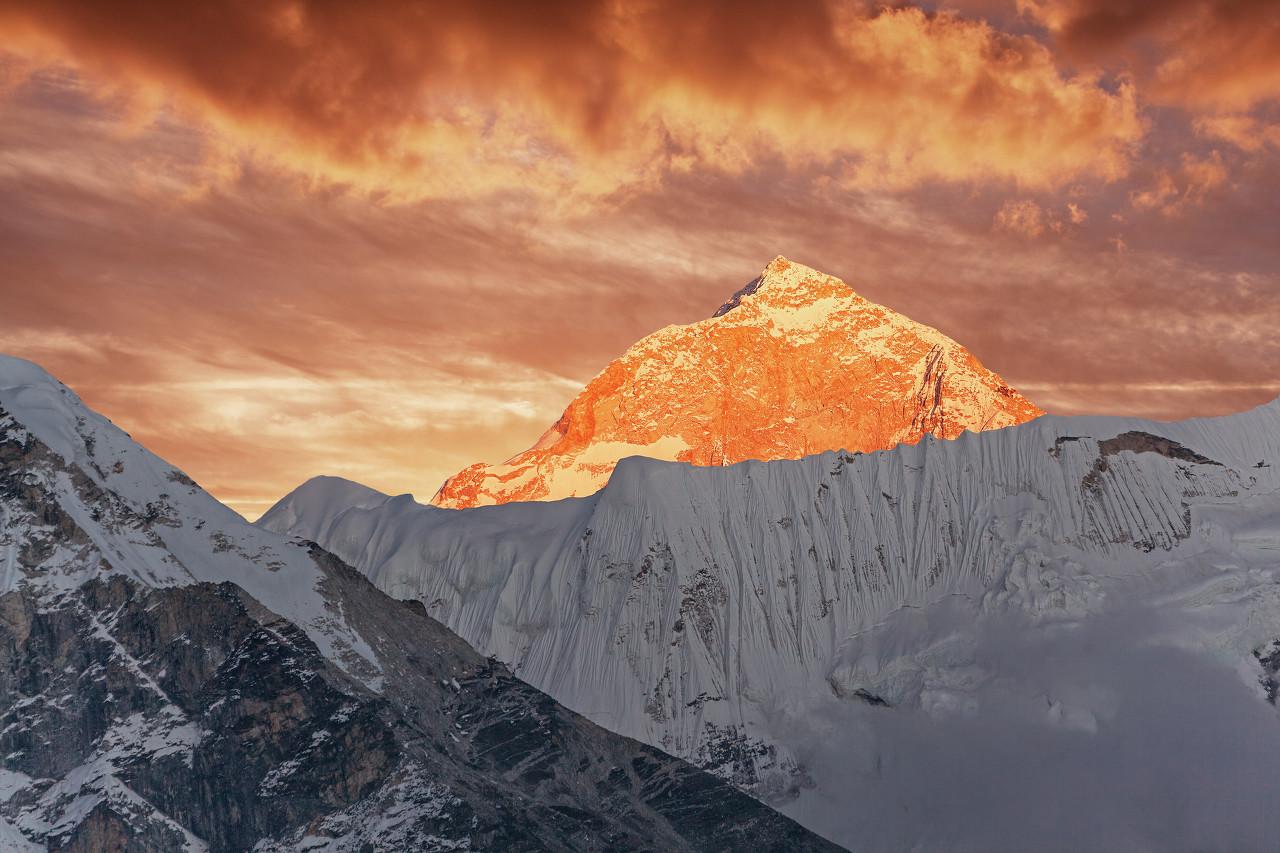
(156,718)
(230,725)
(191,714)
(1144,442)
(1268,658)
(1220,481)
(600,791)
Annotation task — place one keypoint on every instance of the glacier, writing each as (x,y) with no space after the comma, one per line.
(1057,635)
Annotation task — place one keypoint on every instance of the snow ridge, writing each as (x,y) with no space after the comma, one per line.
(720,613)
(186,536)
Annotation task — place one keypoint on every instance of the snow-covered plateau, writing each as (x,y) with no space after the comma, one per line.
(1061,635)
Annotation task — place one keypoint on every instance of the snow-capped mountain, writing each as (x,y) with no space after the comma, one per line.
(793,364)
(173,678)
(1060,635)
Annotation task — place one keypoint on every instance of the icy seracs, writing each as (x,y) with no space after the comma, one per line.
(794,364)
(953,644)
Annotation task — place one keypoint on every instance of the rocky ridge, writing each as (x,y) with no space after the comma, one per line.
(172,678)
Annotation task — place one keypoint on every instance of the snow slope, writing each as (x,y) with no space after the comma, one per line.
(795,363)
(221,546)
(957,644)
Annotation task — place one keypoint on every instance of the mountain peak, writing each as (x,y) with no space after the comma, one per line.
(784,284)
(794,364)
(783,274)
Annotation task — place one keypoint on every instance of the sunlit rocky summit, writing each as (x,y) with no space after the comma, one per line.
(795,363)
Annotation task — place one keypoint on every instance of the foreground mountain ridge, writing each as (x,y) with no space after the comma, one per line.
(793,364)
(830,633)
(172,678)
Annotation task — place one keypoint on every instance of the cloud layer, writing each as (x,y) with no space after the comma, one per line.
(280,239)
(586,97)
(1216,54)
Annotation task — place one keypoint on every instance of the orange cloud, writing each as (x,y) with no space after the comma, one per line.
(1243,131)
(1025,218)
(1028,219)
(1199,176)
(1205,54)
(584,97)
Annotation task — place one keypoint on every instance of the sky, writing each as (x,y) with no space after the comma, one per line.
(386,240)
